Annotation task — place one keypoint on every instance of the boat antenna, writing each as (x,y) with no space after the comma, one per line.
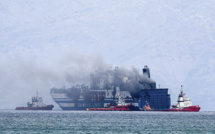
(37,93)
(181,89)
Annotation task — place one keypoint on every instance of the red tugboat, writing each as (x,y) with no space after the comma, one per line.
(184,104)
(121,106)
(37,104)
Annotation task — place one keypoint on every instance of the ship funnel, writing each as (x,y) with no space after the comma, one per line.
(146,71)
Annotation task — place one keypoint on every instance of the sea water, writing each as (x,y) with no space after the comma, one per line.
(105,122)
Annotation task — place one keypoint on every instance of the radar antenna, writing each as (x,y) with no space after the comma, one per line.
(181,89)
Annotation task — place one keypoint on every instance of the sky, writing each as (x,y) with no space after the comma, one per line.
(50,43)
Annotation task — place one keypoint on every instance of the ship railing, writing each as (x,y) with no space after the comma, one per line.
(54,90)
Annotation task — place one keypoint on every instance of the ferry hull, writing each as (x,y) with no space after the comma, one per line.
(48,107)
(83,105)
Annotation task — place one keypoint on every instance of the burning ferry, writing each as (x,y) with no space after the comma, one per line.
(106,87)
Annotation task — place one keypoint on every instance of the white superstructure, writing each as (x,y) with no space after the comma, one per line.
(36,102)
(183,101)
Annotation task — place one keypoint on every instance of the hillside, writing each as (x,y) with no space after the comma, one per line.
(45,44)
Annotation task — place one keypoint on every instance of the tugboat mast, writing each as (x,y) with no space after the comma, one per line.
(181,90)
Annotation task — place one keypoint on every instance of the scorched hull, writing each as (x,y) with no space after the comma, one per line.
(116,108)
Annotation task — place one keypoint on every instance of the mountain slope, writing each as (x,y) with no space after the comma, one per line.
(45,43)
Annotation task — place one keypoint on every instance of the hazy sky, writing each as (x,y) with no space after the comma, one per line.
(49,43)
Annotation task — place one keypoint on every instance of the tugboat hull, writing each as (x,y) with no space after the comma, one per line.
(186,109)
(48,107)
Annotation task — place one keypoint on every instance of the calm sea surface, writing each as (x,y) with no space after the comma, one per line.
(100,122)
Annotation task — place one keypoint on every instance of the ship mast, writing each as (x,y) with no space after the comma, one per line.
(181,90)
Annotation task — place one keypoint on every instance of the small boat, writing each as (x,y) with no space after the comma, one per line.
(147,107)
(184,104)
(36,104)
